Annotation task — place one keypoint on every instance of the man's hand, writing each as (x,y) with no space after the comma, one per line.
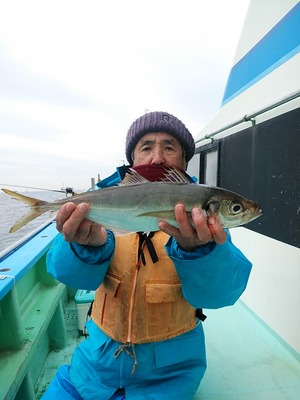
(71,223)
(202,232)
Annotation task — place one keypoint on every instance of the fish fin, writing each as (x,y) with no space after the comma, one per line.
(172,175)
(164,214)
(132,178)
(25,219)
(175,175)
(32,202)
(167,215)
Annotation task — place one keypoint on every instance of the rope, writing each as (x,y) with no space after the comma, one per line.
(127,347)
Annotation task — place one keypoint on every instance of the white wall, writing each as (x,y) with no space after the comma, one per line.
(273,291)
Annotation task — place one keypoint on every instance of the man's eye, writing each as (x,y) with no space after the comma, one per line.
(145,149)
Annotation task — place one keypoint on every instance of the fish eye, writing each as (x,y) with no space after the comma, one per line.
(235,208)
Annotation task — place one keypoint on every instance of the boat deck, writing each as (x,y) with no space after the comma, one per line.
(63,356)
(246,361)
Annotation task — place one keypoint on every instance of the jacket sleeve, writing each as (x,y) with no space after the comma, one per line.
(212,276)
(78,266)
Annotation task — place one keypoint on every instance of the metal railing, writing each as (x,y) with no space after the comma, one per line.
(250,117)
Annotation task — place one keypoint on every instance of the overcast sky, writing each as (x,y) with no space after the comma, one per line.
(74,75)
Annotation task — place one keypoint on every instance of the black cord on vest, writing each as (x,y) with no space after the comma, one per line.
(145,238)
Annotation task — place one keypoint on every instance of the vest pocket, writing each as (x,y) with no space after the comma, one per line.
(162,300)
(163,292)
(108,301)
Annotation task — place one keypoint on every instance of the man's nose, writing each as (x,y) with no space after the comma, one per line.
(157,156)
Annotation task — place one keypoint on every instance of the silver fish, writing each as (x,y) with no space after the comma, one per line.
(138,205)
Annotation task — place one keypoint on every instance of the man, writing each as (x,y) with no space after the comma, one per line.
(145,337)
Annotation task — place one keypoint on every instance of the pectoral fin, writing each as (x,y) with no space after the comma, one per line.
(165,214)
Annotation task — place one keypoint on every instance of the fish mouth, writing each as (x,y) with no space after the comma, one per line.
(259,211)
(256,213)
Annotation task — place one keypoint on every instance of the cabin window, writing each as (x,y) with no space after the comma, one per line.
(194,166)
(209,164)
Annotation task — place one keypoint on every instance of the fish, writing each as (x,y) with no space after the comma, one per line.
(136,204)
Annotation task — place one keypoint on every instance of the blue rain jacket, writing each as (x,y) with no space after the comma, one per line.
(212,276)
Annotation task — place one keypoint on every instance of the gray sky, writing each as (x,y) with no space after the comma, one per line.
(75,74)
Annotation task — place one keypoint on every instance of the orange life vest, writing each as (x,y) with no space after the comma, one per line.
(139,303)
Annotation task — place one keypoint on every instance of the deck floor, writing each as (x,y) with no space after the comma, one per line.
(245,360)
(60,357)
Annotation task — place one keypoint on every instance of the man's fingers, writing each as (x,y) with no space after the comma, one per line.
(71,218)
(64,214)
(167,228)
(71,222)
(80,213)
(200,224)
(184,225)
(201,231)
(217,231)
(83,231)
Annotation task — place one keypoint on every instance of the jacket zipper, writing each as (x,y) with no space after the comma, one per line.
(131,302)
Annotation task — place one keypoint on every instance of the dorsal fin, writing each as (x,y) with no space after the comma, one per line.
(172,175)
(132,178)
(175,175)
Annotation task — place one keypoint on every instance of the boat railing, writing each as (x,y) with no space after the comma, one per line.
(251,116)
(16,245)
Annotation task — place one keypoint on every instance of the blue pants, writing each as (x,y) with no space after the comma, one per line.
(170,369)
(62,388)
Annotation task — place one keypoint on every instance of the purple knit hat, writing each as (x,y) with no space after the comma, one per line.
(159,121)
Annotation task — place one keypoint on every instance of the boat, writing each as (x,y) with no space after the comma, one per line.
(251,146)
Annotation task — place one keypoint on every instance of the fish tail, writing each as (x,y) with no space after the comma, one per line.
(32,214)
(25,219)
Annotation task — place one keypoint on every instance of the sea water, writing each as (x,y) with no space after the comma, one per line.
(12,210)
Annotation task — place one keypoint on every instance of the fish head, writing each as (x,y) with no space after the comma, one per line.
(233,211)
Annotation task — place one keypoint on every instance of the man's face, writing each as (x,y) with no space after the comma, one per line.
(159,149)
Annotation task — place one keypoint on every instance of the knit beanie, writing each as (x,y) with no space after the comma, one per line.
(159,121)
